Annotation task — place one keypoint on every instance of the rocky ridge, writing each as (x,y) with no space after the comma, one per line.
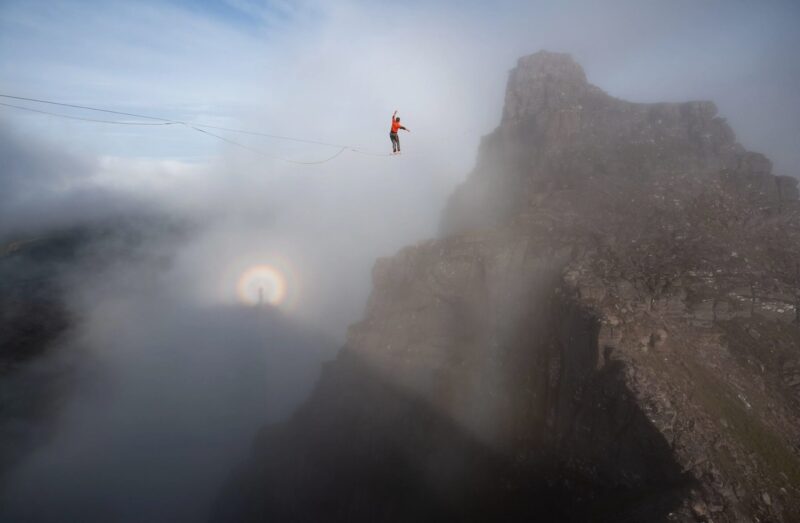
(607,330)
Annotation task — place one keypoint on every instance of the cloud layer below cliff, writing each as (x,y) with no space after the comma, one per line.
(172,365)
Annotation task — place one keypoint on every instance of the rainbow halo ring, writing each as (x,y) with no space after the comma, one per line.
(262,285)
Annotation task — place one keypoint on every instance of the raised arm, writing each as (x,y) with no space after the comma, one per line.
(393,115)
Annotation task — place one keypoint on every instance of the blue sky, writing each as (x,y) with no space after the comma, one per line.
(334,71)
(263,64)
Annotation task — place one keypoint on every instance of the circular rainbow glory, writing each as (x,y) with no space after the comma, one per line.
(261,284)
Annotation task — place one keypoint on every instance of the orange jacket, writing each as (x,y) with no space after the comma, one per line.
(396,125)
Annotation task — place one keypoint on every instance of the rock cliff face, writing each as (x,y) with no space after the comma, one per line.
(606,331)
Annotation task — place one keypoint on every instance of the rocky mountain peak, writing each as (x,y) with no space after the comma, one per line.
(543,80)
(559,132)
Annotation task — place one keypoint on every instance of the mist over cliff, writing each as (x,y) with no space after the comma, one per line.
(570,348)
(592,317)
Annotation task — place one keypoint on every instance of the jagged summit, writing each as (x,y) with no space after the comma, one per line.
(547,64)
(560,132)
(540,81)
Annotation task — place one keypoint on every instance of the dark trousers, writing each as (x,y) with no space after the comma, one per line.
(395,142)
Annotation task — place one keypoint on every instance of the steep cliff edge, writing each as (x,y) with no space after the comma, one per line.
(607,331)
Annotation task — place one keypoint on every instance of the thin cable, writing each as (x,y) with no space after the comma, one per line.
(197,127)
(287,138)
(84,119)
(275,136)
(218,128)
(88,108)
(342,149)
(262,153)
(369,153)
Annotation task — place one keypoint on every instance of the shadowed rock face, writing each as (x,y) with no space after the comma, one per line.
(572,349)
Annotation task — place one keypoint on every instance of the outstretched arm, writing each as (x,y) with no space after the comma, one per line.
(393,115)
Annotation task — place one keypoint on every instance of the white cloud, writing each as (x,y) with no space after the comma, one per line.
(317,70)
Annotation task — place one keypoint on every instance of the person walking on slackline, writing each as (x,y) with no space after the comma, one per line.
(393,133)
